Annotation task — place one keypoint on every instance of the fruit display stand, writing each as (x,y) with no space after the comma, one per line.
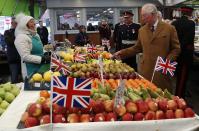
(11,117)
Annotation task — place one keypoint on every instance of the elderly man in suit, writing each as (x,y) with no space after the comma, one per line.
(155,38)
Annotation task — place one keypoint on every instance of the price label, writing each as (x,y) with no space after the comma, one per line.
(37,84)
(119,97)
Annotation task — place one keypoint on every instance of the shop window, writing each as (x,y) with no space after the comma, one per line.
(68,19)
(95,15)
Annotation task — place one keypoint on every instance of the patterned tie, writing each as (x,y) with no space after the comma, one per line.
(152,28)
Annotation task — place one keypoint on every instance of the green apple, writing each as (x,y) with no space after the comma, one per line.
(7,86)
(9,97)
(1,111)
(1,99)
(15,91)
(2,93)
(4,104)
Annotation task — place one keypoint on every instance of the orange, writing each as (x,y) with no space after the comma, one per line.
(44,93)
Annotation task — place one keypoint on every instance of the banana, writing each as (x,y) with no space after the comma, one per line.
(133,96)
(167,94)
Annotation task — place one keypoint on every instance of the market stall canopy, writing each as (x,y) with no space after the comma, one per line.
(13,7)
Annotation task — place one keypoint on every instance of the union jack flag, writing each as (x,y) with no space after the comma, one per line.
(58,65)
(165,66)
(80,57)
(105,42)
(91,49)
(71,92)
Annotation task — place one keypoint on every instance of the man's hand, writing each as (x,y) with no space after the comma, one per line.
(117,55)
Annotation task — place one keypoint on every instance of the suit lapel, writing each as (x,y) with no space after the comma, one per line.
(157,31)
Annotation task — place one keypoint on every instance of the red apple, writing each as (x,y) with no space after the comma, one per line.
(97,107)
(162,104)
(169,114)
(131,107)
(74,110)
(153,106)
(58,109)
(85,118)
(138,116)
(179,113)
(150,115)
(127,117)
(35,109)
(24,116)
(159,115)
(85,110)
(172,105)
(45,119)
(120,110)
(73,118)
(59,118)
(108,105)
(111,116)
(99,117)
(30,122)
(189,112)
(142,106)
(181,103)
(46,106)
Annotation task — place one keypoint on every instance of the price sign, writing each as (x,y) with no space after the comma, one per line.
(119,97)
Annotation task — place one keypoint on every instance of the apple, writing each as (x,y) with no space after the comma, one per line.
(1,99)
(179,113)
(162,104)
(85,118)
(84,110)
(30,122)
(35,109)
(189,113)
(111,116)
(153,106)
(45,119)
(142,106)
(24,116)
(131,107)
(15,90)
(181,103)
(2,93)
(99,117)
(4,104)
(159,115)
(73,110)
(58,109)
(108,105)
(172,105)
(98,107)
(7,87)
(41,100)
(120,110)
(138,116)
(127,117)
(150,115)
(169,114)
(46,106)
(9,97)
(73,118)
(59,118)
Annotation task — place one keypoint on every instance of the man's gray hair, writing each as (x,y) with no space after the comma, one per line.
(149,8)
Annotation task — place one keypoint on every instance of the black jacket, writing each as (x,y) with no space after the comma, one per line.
(12,53)
(81,39)
(186,33)
(43,33)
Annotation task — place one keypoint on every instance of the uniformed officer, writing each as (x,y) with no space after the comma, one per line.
(128,34)
(186,32)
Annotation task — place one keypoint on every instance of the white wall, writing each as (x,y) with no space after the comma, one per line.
(98,3)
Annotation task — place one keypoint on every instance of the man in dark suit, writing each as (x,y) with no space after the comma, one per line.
(12,53)
(116,33)
(43,33)
(127,36)
(186,33)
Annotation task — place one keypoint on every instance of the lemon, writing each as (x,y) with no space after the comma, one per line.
(37,77)
(56,74)
(47,76)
